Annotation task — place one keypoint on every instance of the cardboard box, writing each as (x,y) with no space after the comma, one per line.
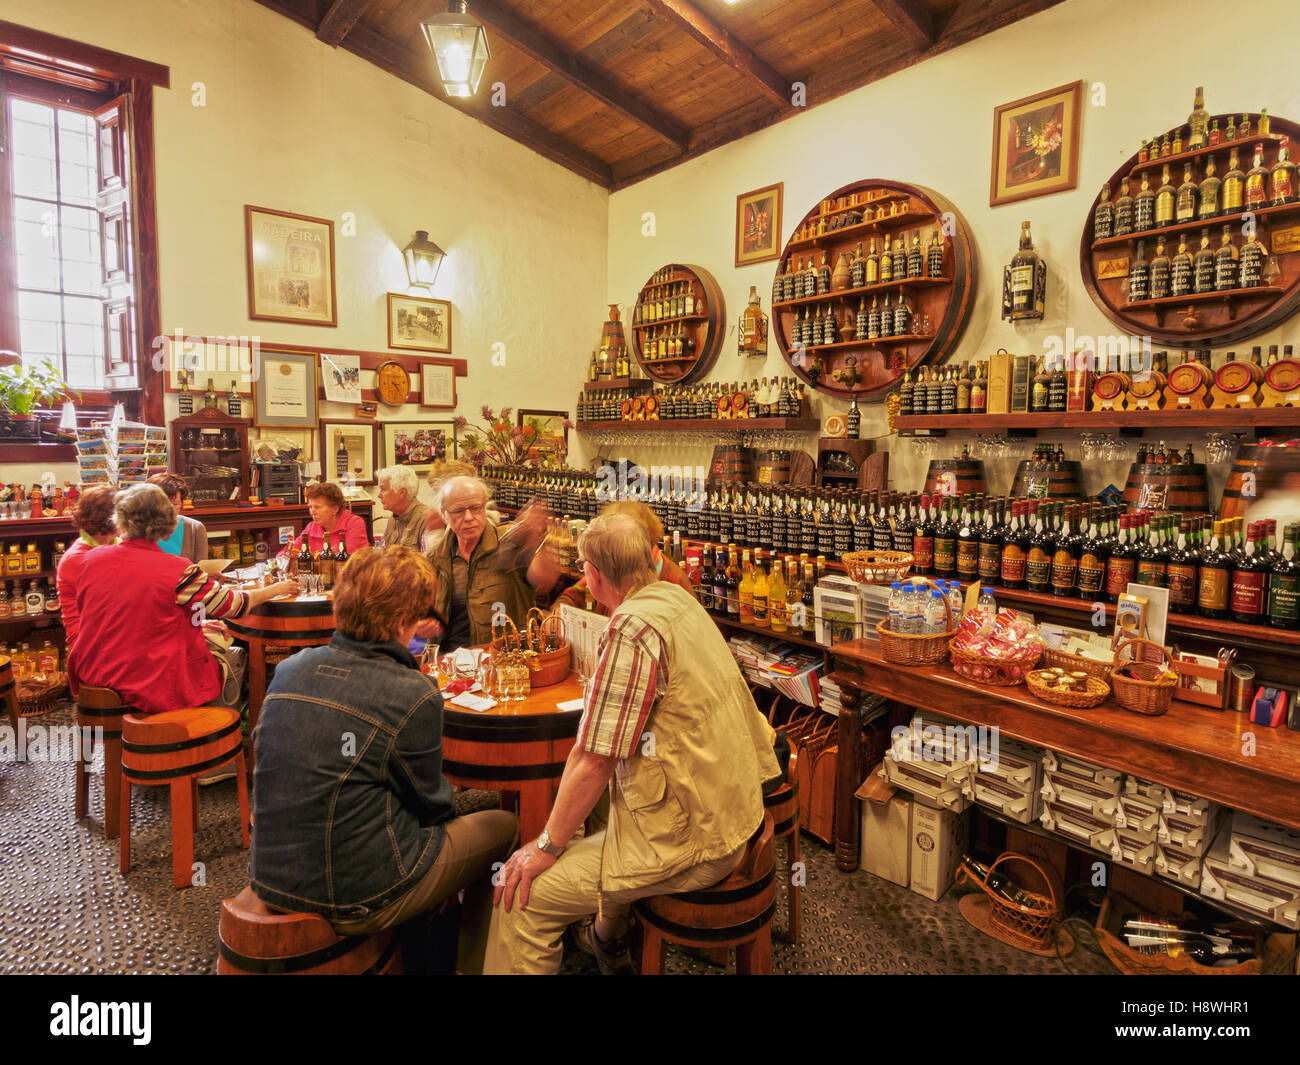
(1175,863)
(1021,369)
(1081,827)
(998,391)
(1137,814)
(1192,833)
(1133,850)
(1263,859)
(886,831)
(1260,895)
(938,843)
(1018,804)
(1076,794)
(1247,826)
(1017,764)
(1065,765)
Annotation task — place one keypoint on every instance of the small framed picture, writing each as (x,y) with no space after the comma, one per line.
(758,225)
(341,376)
(290,267)
(347,450)
(418,444)
(416,323)
(550,437)
(284,389)
(1036,145)
(437,385)
(193,361)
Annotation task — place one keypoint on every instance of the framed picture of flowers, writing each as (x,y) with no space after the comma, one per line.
(1036,145)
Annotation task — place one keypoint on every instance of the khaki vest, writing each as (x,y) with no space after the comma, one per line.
(695,794)
(488,584)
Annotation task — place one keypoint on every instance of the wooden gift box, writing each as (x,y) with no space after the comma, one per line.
(1218,675)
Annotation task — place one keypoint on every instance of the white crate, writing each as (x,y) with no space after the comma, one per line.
(1080,795)
(1260,895)
(1018,804)
(1077,769)
(1174,863)
(1074,824)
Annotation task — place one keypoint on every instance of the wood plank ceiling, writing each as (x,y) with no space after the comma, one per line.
(617,91)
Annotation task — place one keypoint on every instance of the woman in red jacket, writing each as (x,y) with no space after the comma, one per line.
(97,527)
(144,613)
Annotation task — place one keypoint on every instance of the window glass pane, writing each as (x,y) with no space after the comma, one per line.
(31,133)
(36,233)
(76,159)
(85,372)
(80,242)
(84,332)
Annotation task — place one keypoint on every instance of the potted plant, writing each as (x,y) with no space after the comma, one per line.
(22,390)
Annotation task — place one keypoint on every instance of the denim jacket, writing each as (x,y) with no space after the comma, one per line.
(349,797)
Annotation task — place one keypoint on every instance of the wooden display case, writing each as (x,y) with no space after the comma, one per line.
(701,330)
(1204,319)
(890,210)
(206,441)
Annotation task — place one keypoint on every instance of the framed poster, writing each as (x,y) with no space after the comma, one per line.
(418,444)
(417,323)
(437,385)
(551,437)
(284,389)
(1036,145)
(341,376)
(290,267)
(347,450)
(758,225)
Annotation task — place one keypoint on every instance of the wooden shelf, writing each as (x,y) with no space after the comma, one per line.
(671,359)
(1186,227)
(755,630)
(878,225)
(44,621)
(667,321)
(906,338)
(1224,147)
(865,290)
(630,384)
(43,575)
(1201,297)
(706,328)
(720,425)
(1213,418)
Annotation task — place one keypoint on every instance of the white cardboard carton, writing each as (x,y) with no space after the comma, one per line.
(938,842)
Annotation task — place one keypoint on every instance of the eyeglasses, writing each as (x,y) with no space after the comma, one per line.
(460,512)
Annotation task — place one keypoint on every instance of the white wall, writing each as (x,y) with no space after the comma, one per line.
(931,125)
(294,125)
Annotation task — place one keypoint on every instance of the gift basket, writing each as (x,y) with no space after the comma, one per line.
(548,641)
(915,649)
(1073,688)
(1143,677)
(996,649)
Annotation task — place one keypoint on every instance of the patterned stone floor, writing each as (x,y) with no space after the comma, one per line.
(65,908)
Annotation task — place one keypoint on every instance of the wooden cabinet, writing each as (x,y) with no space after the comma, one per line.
(210,450)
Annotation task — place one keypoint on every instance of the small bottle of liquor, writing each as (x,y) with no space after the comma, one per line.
(1257,182)
(1103,216)
(1160,270)
(1233,190)
(1124,210)
(1216,135)
(1209,192)
(1165,198)
(1282,180)
(1197,122)
(1188,199)
(1225,263)
(1139,275)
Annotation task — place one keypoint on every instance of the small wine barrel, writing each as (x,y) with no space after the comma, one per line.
(1145,387)
(1233,377)
(731,464)
(1187,377)
(277,627)
(255,940)
(1283,377)
(955,477)
(1255,467)
(1048,480)
(1165,487)
(774,467)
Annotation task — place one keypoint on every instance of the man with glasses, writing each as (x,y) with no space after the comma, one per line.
(479,574)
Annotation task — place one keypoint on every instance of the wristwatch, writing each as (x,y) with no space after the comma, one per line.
(544,844)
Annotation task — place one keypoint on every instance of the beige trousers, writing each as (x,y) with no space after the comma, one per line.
(472,845)
(528,941)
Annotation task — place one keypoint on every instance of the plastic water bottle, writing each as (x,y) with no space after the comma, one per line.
(896,607)
(988,606)
(934,614)
(914,608)
(955,600)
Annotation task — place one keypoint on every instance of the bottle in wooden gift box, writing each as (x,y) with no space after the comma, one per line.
(1248,598)
(1253,254)
(1282,178)
(1284,583)
(1165,200)
(1160,272)
(1257,182)
(1233,190)
(1203,265)
(1124,208)
(1103,215)
(1198,122)
(1144,207)
(1225,263)
(934,256)
(1139,275)
(1214,579)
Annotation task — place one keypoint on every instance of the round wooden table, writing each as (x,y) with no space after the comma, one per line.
(518,749)
(275,630)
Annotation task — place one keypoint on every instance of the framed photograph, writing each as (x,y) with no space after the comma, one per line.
(437,385)
(290,267)
(418,444)
(418,323)
(284,389)
(341,376)
(347,450)
(1036,145)
(758,225)
(551,438)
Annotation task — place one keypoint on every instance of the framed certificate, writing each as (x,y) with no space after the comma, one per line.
(437,385)
(284,389)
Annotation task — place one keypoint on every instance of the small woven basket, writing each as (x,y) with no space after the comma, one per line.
(1000,674)
(1150,691)
(877,567)
(1080,700)
(1029,926)
(549,667)
(35,699)
(1076,664)
(909,649)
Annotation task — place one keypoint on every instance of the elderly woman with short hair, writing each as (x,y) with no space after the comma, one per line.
(399,489)
(369,839)
(330,518)
(143,613)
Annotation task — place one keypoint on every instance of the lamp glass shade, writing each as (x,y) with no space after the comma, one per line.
(423,260)
(68,419)
(460,48)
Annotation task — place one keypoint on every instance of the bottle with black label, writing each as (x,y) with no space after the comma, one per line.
(1160,272)
(1203,265)
(948,393)
(1144,207)
(968,540)
(945,543)
(905,392)
(1180,572)
(1015,547)
(1058,389)
(1042,546)
(186,398)
(1151,558)
(1253,254)
(1248,598)
(1180,271)
(1091,571)
(915,257)
(991,539)
(922,550)
(934,256)
(1214,580)
(1123,210)
(1065,559)
(1103,215)
(1284,583)
(854,419)
(1225,263)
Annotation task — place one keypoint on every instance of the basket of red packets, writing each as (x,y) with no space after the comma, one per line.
(998,649)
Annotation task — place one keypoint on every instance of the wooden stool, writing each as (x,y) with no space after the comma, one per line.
(256,940)
(101,708)
(737,912)
(783,805)
(173,748)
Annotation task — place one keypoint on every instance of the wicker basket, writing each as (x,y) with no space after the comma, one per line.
(1131,963)
(1029,926)
(36,699)
(877,567)
(1085,700)
(1149,692)
(991,671)
(1076,664)
(908,649)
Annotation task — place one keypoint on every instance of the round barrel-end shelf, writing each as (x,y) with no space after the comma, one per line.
(703,328)
(516,748)
(1206,319)
(889,210)
(275,630)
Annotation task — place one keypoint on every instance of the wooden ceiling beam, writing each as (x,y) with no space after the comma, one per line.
(912,18)
(339,20)
(726,46)
(582,75)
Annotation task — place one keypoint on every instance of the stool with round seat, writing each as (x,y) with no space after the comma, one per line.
(256,940)
(101,708)
(736,912)
(174,748)
(783,805)
(8,692)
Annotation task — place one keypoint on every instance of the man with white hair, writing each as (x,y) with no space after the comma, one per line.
(399,489)
(479,573)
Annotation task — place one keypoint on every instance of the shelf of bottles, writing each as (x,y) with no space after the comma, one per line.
(877,279)
(1196,238)
(779,405)
(678,324)
(210,451)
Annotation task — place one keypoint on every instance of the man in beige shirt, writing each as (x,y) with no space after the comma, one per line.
(399,489)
